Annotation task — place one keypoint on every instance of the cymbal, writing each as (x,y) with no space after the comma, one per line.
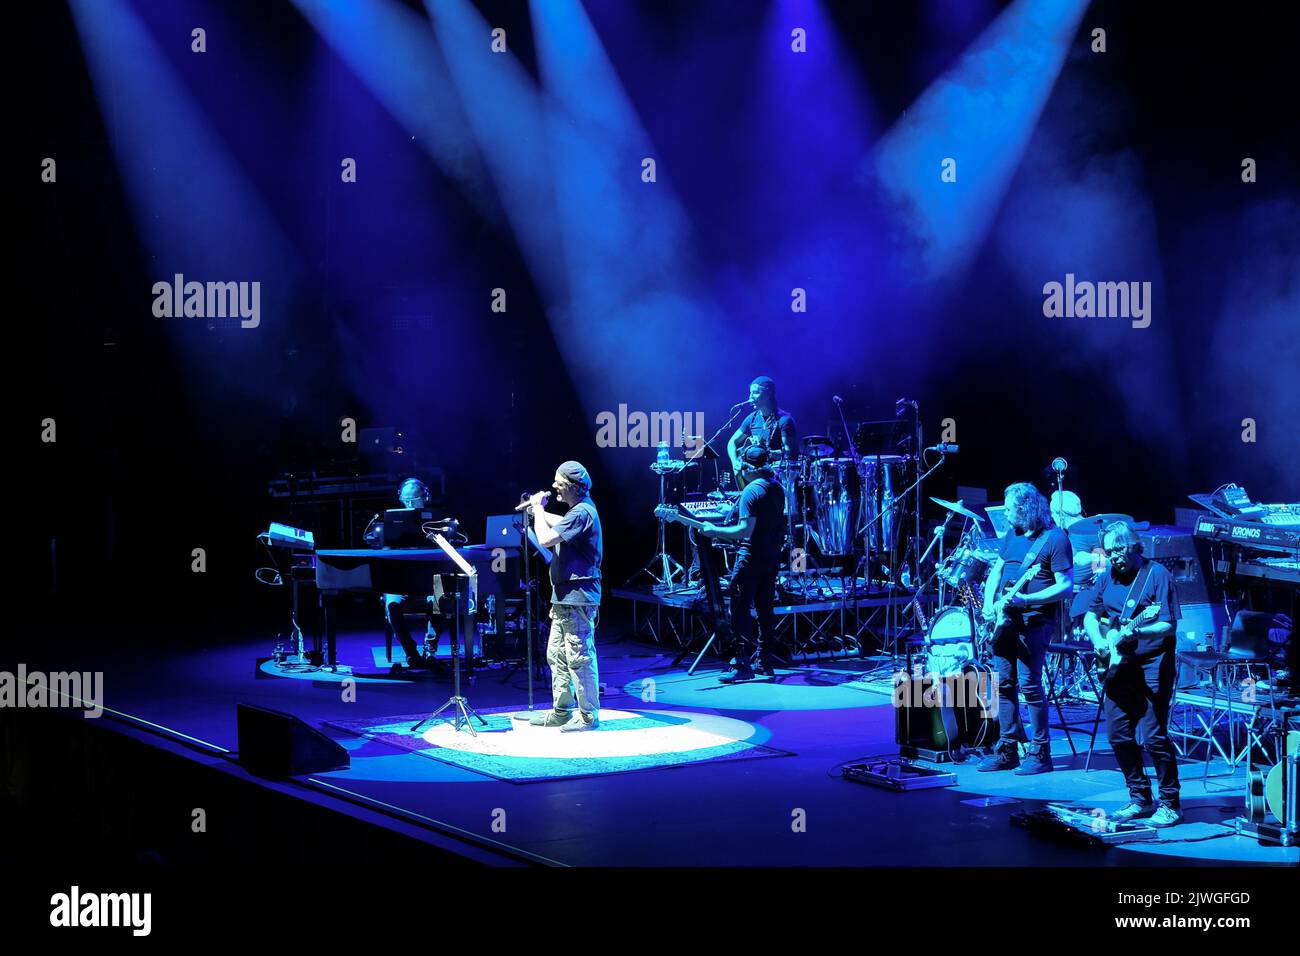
(1095,524)
(956,507)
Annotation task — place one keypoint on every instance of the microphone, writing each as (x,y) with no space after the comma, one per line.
(1059,465)
(524,502)
(945,448)
(837,400)
(745,402)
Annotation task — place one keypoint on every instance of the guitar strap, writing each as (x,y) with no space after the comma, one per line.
(1034,551)
(1124,615)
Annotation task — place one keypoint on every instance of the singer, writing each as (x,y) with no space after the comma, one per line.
(767,426)
(575,599)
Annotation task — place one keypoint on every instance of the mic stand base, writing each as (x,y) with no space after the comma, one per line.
(461,714)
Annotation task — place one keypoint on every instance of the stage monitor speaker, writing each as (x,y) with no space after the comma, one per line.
(277,745)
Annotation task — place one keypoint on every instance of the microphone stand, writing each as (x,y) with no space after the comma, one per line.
(857,470)
(714,437)
(1063,628)
(529,587)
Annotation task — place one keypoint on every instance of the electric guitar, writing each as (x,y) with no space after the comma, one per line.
(997,611)
(1112,632)
(671,513)
(721,620)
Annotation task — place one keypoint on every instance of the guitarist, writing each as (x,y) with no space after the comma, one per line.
(1139,685)
(767,425)
(1025,620)
(759,529)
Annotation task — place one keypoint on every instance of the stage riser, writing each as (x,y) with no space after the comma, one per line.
(78,786)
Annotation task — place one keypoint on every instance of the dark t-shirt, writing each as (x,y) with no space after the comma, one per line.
(1110,596)
(763,500)
(575,572)
(778,432)
(1055,555)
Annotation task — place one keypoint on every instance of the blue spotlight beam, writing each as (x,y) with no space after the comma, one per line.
(195,209)
(633,291)
(980,113)
(392,51)
(505,111)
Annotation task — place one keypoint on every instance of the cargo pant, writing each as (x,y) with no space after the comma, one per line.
(571,654)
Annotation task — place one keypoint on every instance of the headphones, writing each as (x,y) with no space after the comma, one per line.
(420,487)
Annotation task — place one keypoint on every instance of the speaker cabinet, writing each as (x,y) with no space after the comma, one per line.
(277,745)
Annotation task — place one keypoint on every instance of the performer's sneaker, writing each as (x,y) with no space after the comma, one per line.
(735,673)
(1004,758)
(1036,761)
(549,719)
(764,670)
(579,722)
(1132,811)
(1166,816)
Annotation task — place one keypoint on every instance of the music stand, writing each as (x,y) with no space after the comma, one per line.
(461,710)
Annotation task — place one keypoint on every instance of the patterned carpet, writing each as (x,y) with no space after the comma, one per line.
(626,741)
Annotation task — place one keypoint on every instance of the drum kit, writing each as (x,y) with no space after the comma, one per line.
(957,637)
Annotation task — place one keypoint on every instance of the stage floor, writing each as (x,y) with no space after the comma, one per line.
(792,809)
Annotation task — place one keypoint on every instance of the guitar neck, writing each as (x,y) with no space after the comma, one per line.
(674,515)
(1024,579)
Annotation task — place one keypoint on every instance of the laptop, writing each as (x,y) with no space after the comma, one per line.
(502,532)
(402,528)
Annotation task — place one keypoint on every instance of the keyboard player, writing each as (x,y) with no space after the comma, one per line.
(413,493)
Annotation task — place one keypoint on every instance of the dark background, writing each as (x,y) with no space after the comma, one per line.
(167,443)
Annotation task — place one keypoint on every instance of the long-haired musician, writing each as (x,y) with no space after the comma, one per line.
(1025,623)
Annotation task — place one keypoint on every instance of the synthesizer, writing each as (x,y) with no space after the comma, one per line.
(709,509)
(1264,536)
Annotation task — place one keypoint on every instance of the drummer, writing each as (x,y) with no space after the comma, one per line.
(767,425)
